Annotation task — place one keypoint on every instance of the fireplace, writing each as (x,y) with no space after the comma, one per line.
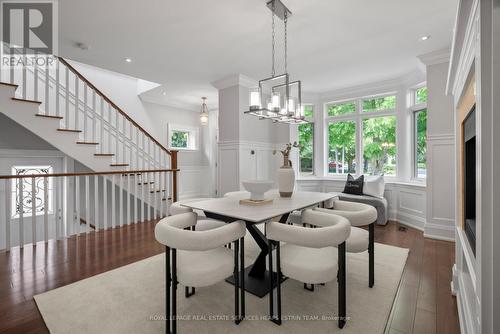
(469,175)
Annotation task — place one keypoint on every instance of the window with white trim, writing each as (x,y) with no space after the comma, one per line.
(418,110)
(31,192)
(183,137)
(306,142)
(362,135)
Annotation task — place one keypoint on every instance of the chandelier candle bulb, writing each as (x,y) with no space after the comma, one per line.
(276,102)
(291,105)
(255,99)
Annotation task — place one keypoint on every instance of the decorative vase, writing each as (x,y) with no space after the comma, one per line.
(286,181)
(286,174)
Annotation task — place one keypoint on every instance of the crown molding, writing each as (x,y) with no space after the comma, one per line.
(234,80)
(436,57)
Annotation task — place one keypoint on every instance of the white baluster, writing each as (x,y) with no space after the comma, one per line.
(101,133)
(85,115)
(143,197)
(162,195)
(21,211)
(129,198)
(96,202)
(87,204)
(47,87)
(94,118)
(77,102)
(8,197)
(124,141)
(24,81)
(121,199)
(33,211)
(46,209)
(136,185)
(117,131)
(11,73)
(58,107)
(113,202)
(35,81)
(57,213)
(105,201)
(77,205)
(149,197)
(109,130)
(66,103)
(136,148)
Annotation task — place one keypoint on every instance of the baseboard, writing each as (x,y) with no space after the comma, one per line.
(439,232)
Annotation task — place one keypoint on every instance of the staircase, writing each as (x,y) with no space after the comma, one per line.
(61,106)
(133,177)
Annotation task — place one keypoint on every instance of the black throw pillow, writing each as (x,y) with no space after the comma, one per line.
(354,186)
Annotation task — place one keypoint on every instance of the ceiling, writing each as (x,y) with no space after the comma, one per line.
(187,44)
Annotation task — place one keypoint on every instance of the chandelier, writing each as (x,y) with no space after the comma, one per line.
(204,111)
(277,98)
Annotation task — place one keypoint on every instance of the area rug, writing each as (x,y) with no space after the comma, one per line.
(131,299)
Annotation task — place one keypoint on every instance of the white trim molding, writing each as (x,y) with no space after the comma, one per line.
(435,57)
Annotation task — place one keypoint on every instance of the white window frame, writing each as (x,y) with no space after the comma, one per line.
(310,120)
(358,116)
(413,109)
(193,137)
(15,196)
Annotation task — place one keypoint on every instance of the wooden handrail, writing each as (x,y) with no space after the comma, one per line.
(89,84)
(142,171)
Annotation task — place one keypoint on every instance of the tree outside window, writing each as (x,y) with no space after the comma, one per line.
(342,147)
(306,142)
(180,139)
(379,145)
(421,143)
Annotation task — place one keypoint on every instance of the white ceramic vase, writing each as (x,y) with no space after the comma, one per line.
(286,181)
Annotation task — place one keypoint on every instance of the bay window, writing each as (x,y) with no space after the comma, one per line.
(362,136)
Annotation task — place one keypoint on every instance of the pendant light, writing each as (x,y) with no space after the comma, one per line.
(204,111)
(277,98)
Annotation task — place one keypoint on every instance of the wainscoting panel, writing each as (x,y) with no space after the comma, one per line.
(406,202)
(194,181)
(441,190)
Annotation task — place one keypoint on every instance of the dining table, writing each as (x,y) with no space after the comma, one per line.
(230,209)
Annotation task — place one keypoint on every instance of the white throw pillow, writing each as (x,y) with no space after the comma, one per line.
(374,186)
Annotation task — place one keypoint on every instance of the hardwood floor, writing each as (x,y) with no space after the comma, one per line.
(423,303)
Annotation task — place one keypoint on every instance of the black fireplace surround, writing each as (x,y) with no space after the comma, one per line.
(469,151)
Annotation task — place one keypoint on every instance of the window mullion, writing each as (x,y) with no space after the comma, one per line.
(359,138)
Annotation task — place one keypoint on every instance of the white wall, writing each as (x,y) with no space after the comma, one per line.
(123,91)
(440,154)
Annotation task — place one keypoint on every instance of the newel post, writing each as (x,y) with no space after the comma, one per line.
(173,165)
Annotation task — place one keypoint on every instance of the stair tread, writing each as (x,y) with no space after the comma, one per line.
(69,130)
(49,116)
(104,154)
(87,143)
(119,165)
(8,84)
(25,100)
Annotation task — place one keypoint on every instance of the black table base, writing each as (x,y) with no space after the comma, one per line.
(257,286)
(257,280)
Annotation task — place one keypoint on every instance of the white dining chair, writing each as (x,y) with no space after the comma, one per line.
(198,259)
(309,255)
(203,223)
(360,240)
